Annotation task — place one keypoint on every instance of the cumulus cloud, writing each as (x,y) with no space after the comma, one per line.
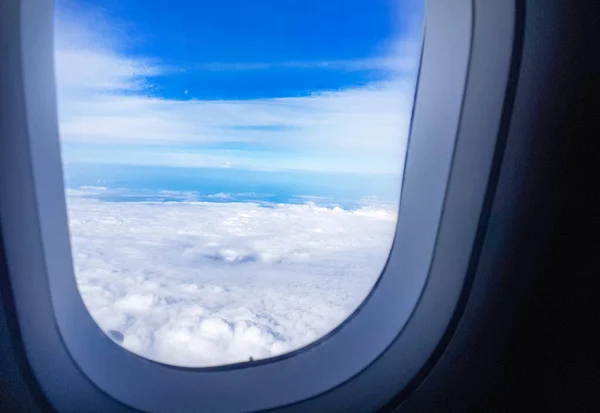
(200,283)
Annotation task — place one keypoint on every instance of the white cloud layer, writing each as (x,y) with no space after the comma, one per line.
(201,284)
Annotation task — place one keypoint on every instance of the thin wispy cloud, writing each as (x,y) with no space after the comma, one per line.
(107,97)
(388,64)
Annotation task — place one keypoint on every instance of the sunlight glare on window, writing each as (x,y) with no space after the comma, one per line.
(232,169)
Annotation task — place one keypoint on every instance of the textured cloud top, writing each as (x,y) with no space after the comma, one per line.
(201,283)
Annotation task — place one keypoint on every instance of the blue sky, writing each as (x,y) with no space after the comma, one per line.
(310,85)
(256,49)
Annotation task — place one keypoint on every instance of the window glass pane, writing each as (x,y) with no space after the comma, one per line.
(232,168)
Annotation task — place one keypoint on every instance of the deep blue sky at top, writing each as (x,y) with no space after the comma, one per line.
(209,42)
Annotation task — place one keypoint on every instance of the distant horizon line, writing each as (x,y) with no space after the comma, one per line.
(66,164)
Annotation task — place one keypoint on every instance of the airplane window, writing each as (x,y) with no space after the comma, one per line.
(232,169)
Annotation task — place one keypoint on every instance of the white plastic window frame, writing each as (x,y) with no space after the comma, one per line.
(361,364)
